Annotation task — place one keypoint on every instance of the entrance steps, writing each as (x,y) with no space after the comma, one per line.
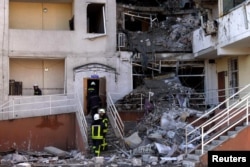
(111,139)
(193,159)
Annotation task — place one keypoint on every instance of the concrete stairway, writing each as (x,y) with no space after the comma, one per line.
(193,159)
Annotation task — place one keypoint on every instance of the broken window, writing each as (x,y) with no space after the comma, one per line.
(229,4)
(233,76)
(96,18)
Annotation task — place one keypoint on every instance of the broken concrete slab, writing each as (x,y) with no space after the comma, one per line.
(133,140)
(136,162)
(56,151)
(23,165)
(99,160)
(148,149)
(162,149)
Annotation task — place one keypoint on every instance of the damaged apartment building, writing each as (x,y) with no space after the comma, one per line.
(167,65)
(159,35)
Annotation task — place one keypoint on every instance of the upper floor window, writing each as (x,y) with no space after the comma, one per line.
(96,18)
(229,4)
(41,15)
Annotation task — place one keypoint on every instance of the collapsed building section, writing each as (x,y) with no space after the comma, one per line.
(159,36)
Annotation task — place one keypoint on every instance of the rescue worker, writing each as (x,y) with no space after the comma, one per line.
(104,118)
(91,87)
(37,90)
(94,101)
(97,134)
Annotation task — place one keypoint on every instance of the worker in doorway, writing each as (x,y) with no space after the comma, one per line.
(97,134)
(104,118)
(92,87)
(37,90)
(94,102)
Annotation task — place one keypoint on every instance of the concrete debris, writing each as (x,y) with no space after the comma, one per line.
(99,160)
(162,149)
(136,162)
(164,124)
(13,159)
(170,35)
(156,140)
(55,151)
(148,149)
(133,141)
(23,165)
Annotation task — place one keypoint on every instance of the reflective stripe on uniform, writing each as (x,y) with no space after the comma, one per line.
(105,122)
(96,132)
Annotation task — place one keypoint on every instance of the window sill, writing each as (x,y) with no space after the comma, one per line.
(94,36)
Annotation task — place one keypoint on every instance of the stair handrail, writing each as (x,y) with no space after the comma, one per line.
(82,122)
(206,115)
(11,105)
(116,121)
(240,113)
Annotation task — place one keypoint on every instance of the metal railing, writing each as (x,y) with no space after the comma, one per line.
(233,111)
(115,119)
(83,125)
(33,106)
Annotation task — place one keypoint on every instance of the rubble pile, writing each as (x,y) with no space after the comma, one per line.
(157,140)
(160,134)
(171,35)
(74,158)
(163,93)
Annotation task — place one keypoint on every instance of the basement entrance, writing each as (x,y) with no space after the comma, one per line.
(100,86)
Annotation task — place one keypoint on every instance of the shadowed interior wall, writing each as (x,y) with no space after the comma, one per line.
(33,134)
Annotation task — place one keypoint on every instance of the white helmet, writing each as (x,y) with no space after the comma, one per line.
(101,111)
(92,83)
(96,117)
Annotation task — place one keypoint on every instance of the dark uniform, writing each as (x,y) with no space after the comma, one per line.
(105,122)
(94,102)
(37,90)
(105,131)
(97,136)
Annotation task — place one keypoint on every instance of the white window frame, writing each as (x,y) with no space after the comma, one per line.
(233,76)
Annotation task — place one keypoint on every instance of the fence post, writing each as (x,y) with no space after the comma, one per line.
(13,108)
(186,138)
(247,112)
(202,140)
(50,105)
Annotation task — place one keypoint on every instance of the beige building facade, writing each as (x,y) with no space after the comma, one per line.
(58,44)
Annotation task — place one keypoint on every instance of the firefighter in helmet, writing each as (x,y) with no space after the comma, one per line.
(105,121)
(97,134)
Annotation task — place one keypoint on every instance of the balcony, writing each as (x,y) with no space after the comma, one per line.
(204,46)
(234,31)
(48,27)
(232,37)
